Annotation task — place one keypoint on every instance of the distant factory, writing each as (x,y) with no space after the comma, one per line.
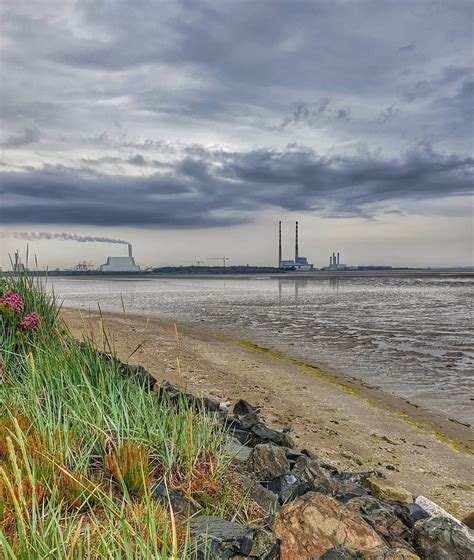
(121,264)
(334,263)
(18,266)
(300,264)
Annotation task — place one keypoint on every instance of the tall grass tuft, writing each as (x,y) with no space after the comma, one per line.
(80,445)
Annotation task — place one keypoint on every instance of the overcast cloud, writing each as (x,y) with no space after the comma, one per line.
(201,114)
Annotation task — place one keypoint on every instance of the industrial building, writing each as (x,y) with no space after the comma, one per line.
(334,263)
(121,264)
(18,266)
(300,264)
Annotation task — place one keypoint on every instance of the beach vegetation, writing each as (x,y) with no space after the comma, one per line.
(81,445)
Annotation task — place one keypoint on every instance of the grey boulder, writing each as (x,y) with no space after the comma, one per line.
(443,539)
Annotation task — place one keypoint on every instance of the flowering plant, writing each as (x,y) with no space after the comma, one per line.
(13,301)
(30,322)
(12,306)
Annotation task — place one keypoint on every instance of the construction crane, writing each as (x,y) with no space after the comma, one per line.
(223,259)
(83,266)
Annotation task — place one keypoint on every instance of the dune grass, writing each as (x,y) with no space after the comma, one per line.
(80,445)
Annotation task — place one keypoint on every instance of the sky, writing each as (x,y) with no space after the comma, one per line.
(190,127)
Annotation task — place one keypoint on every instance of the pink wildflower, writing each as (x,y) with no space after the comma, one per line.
(30,322)
(14,301)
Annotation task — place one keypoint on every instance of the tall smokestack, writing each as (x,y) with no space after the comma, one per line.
(338,257)
(330,260)
(130,250)
(279,244)
(296,242)
(334,259)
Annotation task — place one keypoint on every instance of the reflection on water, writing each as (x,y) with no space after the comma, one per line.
(410,335)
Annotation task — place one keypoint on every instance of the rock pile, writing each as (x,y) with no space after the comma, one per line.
(313,510)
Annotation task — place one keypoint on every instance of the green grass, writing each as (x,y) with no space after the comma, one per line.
(80,444)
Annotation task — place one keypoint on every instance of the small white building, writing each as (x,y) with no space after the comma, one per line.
(300,264)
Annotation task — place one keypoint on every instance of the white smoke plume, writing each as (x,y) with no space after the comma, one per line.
(35,236)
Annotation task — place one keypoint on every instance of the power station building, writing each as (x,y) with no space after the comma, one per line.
(121,264)
(300,264)
(334,263)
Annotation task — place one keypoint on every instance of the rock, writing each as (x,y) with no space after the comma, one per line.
(169,389)
(267,462)
(238,452)
(263,497)
(330,469)
(288,488)
(211,405)
(263,434)
(244,436)
(308,453)
(390,520)
(385,490)
(175,393)
(346,491)
(217,539)
(416,512)
(441,538)
(401,554)
(292,455)
(264,545)
(138,374)
(434,510)
(357,477)
(311,471)
(167,496)
(346,553)
(314,523)
(242,408)
(249,420)
(469,520)
(305,476)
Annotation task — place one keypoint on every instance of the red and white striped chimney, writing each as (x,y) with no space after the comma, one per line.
(296,243)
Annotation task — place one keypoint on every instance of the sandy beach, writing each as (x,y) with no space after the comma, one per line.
(343,420)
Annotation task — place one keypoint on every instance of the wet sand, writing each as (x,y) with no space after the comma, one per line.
(345,421)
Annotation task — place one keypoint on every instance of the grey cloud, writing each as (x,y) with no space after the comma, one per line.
(434,85)
(137,160)
(23,138)
(388,114)
(226,74)
(315,114)
(407,48)
(219,64)
(228,187)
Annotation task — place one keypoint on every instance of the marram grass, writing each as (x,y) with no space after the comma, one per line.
(80,445)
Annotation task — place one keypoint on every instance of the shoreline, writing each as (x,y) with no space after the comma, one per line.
(343,419)
(318,274)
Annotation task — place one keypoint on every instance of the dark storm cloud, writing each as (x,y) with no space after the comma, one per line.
(93,82)
(224,188)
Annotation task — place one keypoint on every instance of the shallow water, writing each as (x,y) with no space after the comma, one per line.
(412,336)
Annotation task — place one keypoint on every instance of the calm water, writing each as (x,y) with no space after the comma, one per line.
(412,336)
